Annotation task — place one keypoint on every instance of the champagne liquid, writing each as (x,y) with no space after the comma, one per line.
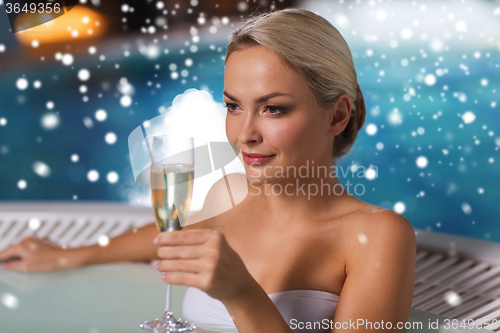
(171,189)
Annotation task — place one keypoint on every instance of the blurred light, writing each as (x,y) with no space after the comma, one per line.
(112,177)
(437,45)
(56,31)
(125,87)
(101,115)
(10,301)
(34,223)
(75,158)
(370,173)
(41,169)
(468,117)
(430,79)
(341,20)
(50,121)
(381,15)
(362,238)
(371,129)
(93,176)
(126,101)
(88,122)
(22,83)
(461,26)
(150,51)
(242,6)
(67,59)
(422,162)
(406,33)
(110,138)
(21,184)
(452,298)
(399,207)
(83,74)
(103,240)
(466,208)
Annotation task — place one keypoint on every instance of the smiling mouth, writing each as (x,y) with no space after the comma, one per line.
(249,159)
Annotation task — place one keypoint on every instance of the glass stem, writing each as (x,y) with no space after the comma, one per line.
(169,290)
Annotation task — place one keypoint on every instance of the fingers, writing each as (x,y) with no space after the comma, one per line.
(10,252)
(183,279)
(180,237)
(192,266)
(178,252)
(16,265)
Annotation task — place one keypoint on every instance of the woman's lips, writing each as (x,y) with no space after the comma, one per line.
(256,160)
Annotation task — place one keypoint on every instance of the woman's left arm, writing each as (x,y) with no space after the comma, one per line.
(202,258)
(380,278)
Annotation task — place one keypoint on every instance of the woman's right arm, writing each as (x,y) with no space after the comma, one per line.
(37,255)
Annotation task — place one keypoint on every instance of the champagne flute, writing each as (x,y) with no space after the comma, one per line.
(172,175)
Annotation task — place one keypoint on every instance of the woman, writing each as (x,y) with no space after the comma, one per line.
(292,97)
(287,257)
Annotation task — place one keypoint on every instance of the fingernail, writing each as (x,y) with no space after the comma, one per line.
(163,276)
(155,241)
(157,265)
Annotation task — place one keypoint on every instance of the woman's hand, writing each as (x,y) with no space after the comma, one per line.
(202,258)
(36,255)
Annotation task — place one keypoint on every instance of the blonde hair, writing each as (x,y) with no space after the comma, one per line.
(314,48)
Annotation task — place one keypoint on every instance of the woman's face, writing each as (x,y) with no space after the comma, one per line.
(270,111)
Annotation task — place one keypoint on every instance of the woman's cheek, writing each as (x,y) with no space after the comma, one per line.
(287,136)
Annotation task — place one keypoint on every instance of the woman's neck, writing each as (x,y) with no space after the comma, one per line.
(297,198)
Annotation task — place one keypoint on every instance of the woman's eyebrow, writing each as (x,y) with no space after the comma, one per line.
(260,99)
(229,96)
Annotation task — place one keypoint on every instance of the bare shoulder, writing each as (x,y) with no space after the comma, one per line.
(379,230)
(382,221)
(379,267)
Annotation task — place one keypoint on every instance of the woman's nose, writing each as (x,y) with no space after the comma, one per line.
(249,130)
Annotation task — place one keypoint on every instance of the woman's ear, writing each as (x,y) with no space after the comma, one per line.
(339,114)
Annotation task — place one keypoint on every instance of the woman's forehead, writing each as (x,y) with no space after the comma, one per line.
(262,70)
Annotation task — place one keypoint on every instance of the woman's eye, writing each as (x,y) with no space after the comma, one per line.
(275,110)
(230,107)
